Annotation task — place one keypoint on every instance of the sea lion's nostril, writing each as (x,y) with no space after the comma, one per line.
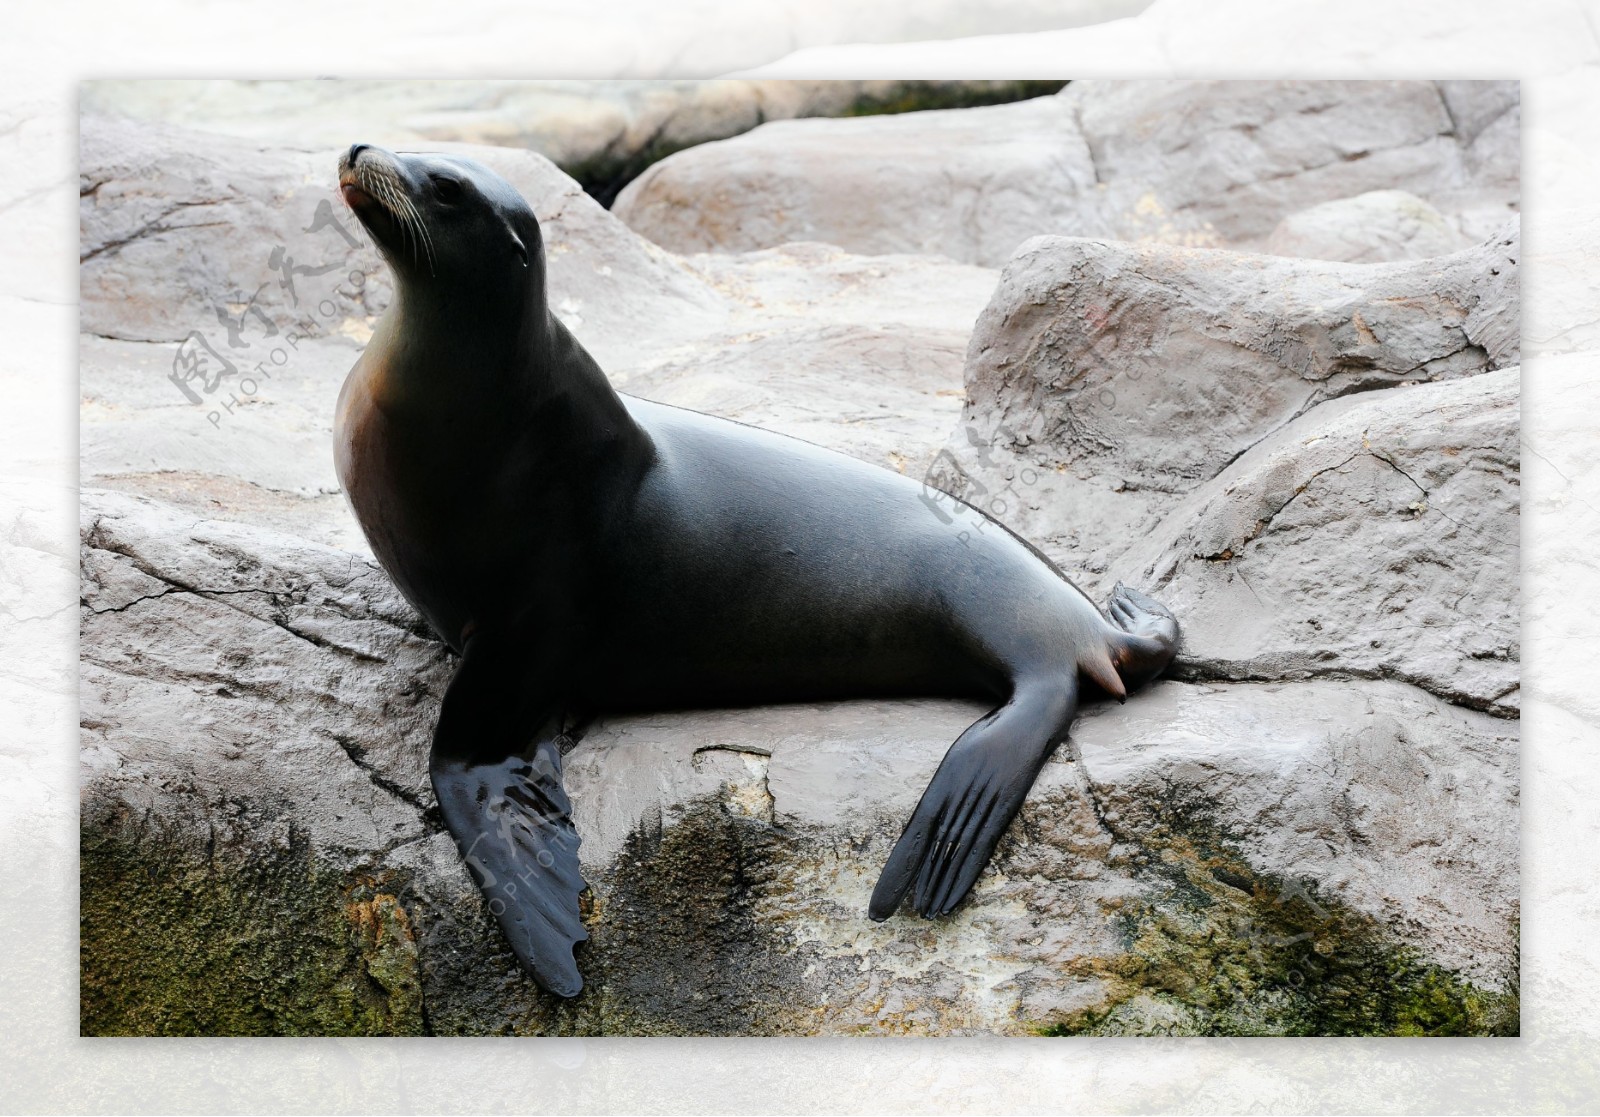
(355,150)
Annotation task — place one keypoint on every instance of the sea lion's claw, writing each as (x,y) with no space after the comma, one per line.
(1144,603)
(1121,609)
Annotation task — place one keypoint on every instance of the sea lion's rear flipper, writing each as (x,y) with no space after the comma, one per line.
(1149,637)
(972,798)
(503,802)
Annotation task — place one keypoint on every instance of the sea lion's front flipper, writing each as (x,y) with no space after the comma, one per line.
(972,798)
(496,767)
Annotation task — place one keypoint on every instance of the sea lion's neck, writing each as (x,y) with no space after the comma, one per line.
(438,355)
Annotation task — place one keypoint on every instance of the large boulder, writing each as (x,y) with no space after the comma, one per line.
(1374,537)
(181,227)
(861,354)
(1213,164)
(1245,858)
(1148,413)
(1161,365)
(1222,162)
(1105,380)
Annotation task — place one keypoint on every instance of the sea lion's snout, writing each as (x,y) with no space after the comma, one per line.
(351,187)
(376,185)
(348,160)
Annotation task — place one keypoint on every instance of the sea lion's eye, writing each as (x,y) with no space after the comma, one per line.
(446,189)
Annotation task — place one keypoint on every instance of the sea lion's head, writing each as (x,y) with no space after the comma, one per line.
(442,222)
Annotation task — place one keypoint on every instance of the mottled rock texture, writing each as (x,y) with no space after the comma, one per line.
(1106,381)
(1310,828)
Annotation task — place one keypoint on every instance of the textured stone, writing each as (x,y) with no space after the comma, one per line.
(178,225)
(1395,803)
(1222,162)
(1149,413)
(1375,536)
(1152,367)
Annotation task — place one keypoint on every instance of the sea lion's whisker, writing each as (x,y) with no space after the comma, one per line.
(422,231)
(389,191)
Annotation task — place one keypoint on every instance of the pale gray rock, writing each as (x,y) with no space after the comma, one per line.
(861,354)
(1376,227)
(180,225)
(1148,413)
(1474,106)
(253,666)
(1221,162)
(1399,804)
(970,184)
(1206,164)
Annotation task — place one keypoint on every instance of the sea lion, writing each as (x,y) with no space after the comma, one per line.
(587,551)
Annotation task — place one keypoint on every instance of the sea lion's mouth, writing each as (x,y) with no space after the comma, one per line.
(354,196)
(371,184)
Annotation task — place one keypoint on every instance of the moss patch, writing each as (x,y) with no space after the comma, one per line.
(209,936)
(1223,950)
(677,948)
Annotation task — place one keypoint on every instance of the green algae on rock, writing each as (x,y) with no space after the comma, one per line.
(201,934)
(1220,949)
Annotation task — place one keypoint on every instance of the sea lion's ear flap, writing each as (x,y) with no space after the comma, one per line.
(516,244)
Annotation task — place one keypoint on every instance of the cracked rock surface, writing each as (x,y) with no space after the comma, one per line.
(1310,828)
